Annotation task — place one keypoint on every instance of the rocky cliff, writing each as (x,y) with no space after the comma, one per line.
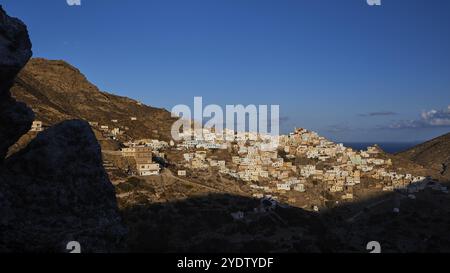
(55,190)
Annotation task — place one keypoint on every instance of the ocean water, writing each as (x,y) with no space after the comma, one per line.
(390,147)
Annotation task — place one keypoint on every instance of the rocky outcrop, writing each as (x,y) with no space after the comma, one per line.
(15,51)
(55,190)
(60,193)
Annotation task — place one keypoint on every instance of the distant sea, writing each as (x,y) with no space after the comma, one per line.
(390,147)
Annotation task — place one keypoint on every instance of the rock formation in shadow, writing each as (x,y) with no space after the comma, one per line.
(55,190)
(15,51)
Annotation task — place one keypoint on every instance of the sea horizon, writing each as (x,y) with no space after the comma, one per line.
(390,147)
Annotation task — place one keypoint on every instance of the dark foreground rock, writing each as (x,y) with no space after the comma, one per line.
(15,51)
(60,192)
(55,190)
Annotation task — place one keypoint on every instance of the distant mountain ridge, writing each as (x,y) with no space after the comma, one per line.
(433,154)
(57,91)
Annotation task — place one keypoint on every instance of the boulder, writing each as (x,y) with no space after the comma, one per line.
(15,51)
(57,192)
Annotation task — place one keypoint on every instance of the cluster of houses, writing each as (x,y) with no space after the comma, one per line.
(209,139)
(108,131)
(254,161)
(143,152)
(344,167)
(299,159)
(339,168)
(155,145)
(111,132)
(251,160)
(199,160)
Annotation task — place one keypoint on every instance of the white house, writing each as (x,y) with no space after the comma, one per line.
(37,126)
(284,187)
(145,167)
(299,187)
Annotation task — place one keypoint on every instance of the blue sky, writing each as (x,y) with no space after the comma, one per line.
(350,71)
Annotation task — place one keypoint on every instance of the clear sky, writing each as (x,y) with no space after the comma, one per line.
(350,71)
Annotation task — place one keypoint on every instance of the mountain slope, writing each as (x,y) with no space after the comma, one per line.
(433,154)
(57,91)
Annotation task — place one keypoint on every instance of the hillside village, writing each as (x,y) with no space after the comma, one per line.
(306,170)
(233,187)
(102,169)
(297,172)
(230,184)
